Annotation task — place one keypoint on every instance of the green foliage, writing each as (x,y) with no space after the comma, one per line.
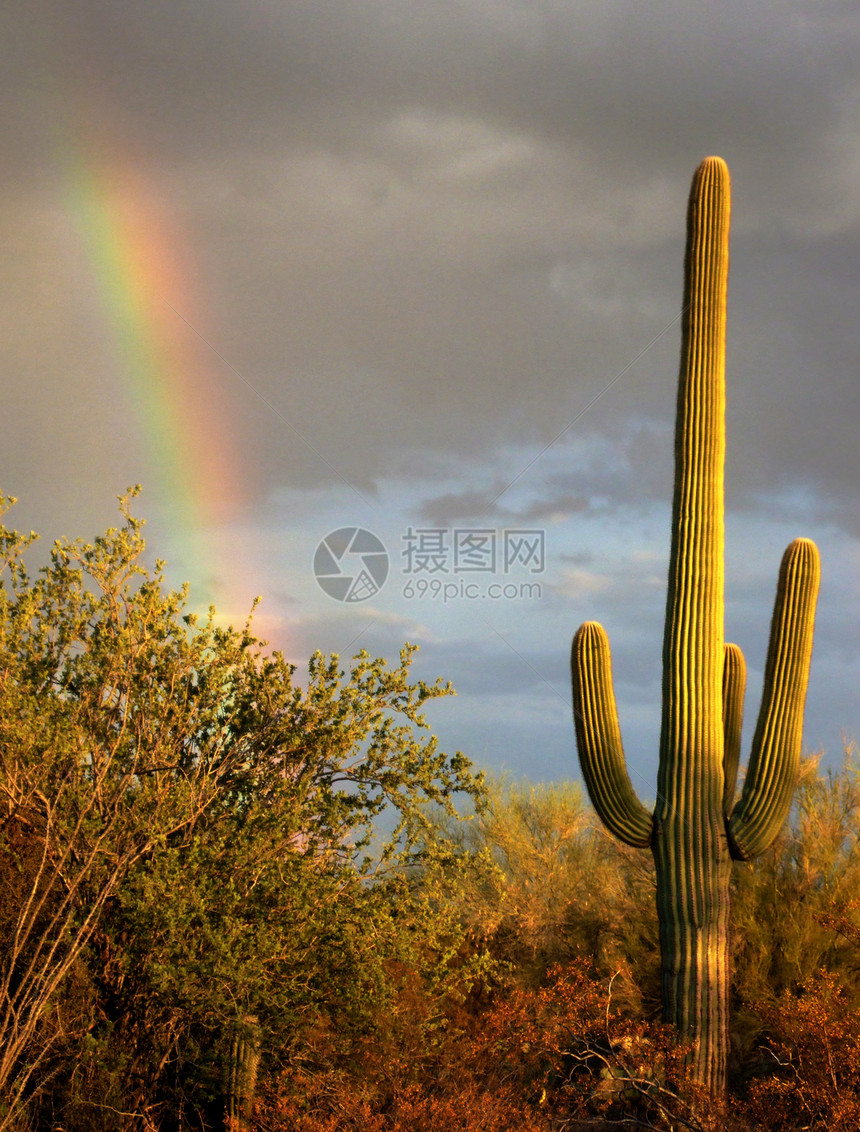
(186,833)
(191,865)
(115,736)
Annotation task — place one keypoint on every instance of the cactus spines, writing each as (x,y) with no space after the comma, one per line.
(696,828)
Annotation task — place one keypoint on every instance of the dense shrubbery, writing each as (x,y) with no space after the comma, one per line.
(185,866)
(564,1035)
(184,843)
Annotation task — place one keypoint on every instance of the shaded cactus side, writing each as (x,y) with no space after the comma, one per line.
(240,1077)
(696,829)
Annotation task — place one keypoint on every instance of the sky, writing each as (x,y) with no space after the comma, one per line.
(412,269)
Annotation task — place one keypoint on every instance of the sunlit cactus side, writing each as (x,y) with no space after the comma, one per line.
(734,686)
(696,828)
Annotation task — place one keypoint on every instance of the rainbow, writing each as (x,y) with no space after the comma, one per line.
(170,379)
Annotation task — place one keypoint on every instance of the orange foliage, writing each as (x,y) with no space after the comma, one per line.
(815,1053)
(333,1103)
(532,1061)
(561,1057)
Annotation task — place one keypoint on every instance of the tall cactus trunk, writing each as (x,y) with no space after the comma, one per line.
(690,844)
(694,943)
(693,912)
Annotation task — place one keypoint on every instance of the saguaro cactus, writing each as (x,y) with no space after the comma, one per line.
(696,829)
(240,1077)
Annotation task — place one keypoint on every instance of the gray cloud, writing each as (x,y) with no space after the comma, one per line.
(426,223)
(487,504)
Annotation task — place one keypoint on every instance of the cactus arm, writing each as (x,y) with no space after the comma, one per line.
(598,739)
(772,773)
(734,686)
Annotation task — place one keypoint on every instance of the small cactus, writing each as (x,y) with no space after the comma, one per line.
(696,828)
(241,1072)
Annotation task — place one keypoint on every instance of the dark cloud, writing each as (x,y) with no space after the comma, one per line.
(429,223)
(488,504)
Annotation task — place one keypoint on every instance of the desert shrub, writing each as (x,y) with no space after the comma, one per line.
(184,840)
(566,1039)
(810,1077)
(558,888)
(792,908)
(332,1103)
(562,1056)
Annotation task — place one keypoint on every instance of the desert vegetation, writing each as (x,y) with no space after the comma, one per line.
(206,924)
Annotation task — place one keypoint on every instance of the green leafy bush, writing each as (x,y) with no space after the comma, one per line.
(186,832)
